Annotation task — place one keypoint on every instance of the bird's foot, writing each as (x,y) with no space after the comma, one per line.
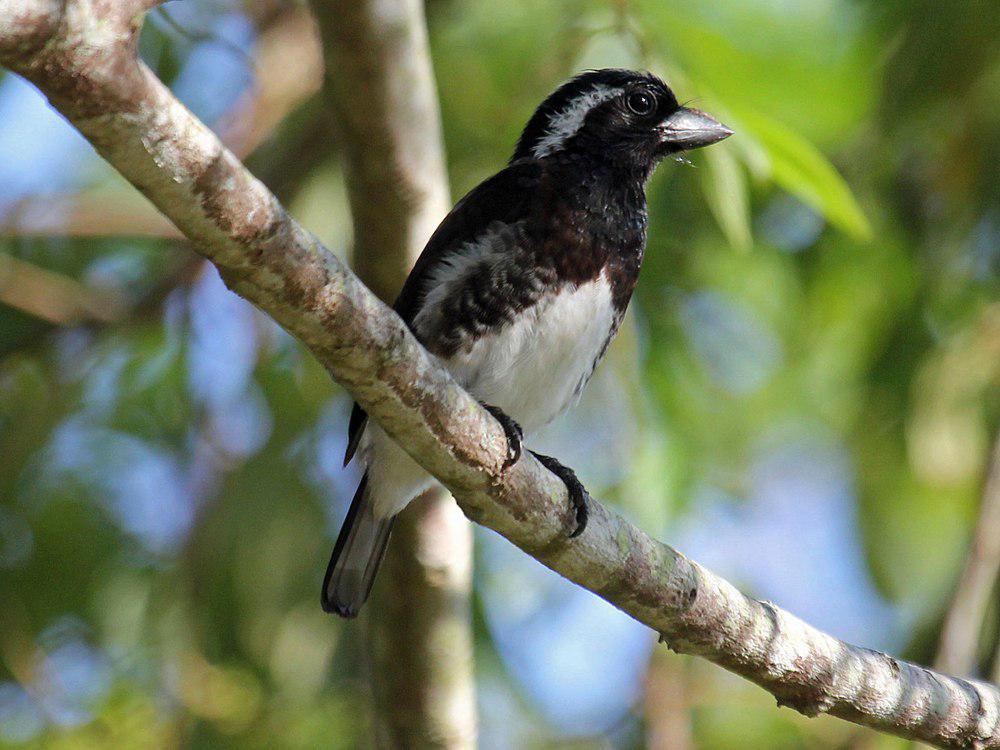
(511,429)
(578,494)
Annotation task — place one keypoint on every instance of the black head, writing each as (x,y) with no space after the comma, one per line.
(630,117)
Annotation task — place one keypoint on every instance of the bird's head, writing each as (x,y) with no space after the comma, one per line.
(630,117)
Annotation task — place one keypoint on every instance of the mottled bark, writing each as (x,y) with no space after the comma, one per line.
(384,110)
(81,55)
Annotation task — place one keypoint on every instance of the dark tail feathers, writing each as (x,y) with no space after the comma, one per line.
(356,556)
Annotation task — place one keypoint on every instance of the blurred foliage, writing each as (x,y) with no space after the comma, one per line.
(815,338)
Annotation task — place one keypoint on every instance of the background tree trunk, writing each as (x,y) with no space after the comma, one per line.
(963,623)
(380,88)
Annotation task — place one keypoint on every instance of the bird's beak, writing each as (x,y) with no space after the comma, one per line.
(690,128)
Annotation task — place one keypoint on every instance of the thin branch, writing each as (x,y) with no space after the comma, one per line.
(58,300)
(83,60)
(962,624)
(88,214)
(51,296)
(197,36)
(288,70)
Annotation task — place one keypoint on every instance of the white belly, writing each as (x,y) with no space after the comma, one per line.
(534,368)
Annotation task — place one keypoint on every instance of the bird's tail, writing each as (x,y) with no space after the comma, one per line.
(356,556)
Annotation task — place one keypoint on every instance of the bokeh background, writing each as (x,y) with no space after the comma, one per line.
(805,397)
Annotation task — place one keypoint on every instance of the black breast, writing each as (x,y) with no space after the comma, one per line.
(592,219)
(583,220)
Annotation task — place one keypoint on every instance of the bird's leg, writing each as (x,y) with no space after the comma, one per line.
(511,429)
(577,492)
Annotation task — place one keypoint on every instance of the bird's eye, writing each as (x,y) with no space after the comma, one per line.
(641,102)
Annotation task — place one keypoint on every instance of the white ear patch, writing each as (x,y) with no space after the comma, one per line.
(564,124)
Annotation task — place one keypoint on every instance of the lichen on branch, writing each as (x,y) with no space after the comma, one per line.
(81,54)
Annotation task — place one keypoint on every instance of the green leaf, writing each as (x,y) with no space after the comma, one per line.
(724,185)
(799,167)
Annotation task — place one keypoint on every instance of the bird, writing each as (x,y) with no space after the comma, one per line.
(522,287)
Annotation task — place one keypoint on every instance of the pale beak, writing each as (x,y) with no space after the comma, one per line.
(690,128)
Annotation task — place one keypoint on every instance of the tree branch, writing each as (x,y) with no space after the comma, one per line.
(82,56)
(51,296)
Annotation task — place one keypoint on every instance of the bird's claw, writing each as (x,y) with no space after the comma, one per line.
(511,429)
(578,494)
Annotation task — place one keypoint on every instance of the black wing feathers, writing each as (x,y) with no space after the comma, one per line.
(355,429)
(506,197)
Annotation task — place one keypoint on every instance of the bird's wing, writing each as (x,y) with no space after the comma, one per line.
(506,197)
